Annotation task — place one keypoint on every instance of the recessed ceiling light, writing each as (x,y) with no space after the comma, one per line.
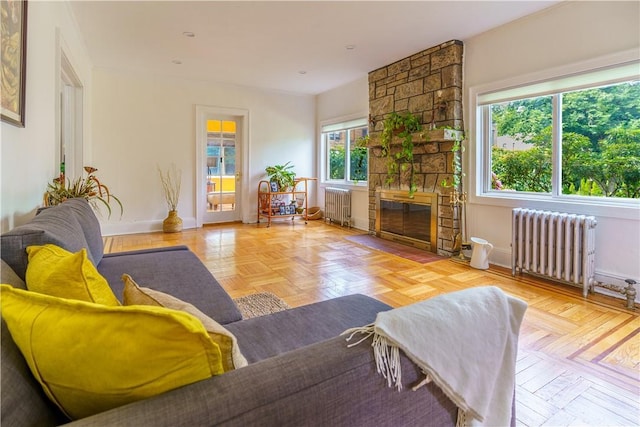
(350,47)
(302,72)
(188,34)
(176,61)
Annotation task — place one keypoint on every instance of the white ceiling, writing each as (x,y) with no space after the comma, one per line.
(268,44)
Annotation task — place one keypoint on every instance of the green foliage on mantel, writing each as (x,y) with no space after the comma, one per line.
(431,135)
(397,141)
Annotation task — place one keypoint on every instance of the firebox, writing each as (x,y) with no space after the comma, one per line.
(409,220)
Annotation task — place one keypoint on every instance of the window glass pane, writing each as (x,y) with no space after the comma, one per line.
(357,154)
(229,147)
(521,140)
(601,141)
(346,151)
(213,125)
(213,155)
(336,142)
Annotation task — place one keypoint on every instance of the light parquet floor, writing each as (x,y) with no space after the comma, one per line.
(579,360)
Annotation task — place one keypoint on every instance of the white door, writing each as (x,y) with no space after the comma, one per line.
(220,140)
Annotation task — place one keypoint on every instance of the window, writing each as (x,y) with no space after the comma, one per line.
(576,136)
(346,153)
(221,148)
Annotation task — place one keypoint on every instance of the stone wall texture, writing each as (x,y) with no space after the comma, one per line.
(429,85)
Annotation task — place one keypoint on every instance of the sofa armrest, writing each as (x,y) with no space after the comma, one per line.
(321,384)
(146,251)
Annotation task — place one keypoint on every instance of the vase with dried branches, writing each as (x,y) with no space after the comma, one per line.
(171,180)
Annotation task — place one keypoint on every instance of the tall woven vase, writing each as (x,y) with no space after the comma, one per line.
(172,223)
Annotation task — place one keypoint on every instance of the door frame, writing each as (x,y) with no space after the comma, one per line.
(204,113)
(69,114)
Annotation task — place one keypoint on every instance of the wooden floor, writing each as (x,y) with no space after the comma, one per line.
(578,360)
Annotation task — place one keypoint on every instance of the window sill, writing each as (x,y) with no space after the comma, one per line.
(362,186)
(622,209)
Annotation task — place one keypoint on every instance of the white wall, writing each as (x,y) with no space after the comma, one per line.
(141,121)
(345,101)
(569,33)
(29,154)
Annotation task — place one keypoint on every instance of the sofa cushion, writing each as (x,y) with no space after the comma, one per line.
(9,277)
(60,273)
(176,271)
(90,358)
(232,358)
(23,401)
(90,225)
(267,336)
(57,225)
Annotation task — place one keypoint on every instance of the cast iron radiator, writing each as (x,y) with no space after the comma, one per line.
(337,205)
(557,246)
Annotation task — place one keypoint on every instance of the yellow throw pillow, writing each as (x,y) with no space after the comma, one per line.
(57,272)
(90,358)
(133,294)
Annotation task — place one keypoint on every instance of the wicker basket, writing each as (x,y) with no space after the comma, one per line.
(314,212)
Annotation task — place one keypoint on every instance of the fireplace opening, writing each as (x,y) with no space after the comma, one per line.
(408,220)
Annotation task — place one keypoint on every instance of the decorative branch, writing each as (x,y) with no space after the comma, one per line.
(171,180)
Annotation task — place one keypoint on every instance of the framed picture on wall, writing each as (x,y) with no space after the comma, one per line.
(14,61)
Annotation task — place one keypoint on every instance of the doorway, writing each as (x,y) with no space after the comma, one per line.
(220,142)
(70,153)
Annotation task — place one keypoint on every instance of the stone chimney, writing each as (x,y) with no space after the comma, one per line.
(429,85)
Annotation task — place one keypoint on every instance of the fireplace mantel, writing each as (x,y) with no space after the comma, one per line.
(424,137)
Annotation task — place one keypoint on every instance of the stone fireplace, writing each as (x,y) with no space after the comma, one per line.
(429,85)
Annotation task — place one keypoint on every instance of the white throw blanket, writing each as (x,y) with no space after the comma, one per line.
(466,342)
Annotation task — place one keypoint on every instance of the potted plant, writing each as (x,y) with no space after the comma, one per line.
(89,188)
(171,180)
(282,175)
(401,126)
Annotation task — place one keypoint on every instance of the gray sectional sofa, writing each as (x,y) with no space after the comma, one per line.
(300,370)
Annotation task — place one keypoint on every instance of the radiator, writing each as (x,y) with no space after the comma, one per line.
(558,246)
(337,205)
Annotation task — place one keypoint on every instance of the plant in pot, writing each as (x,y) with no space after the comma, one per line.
(89,188)
(401,160)
(282,175)
(171,180)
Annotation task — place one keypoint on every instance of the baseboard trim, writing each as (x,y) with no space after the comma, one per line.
(134,227)
(502,258)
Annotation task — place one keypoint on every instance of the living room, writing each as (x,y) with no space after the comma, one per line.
(135,120)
